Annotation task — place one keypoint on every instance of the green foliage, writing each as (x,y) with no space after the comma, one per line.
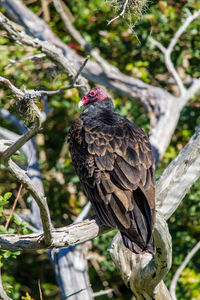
(130,51)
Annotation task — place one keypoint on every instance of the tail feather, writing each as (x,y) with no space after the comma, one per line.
(139,238)
(135,244)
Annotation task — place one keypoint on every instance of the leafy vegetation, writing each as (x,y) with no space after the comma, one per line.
(129,50)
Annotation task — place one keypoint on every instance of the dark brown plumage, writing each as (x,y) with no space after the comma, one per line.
(114,161)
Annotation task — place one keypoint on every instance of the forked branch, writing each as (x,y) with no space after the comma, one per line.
(167,51)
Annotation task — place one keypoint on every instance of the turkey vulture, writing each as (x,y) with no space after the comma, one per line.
(115,163)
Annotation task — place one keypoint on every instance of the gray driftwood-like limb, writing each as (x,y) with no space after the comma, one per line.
(20,142)
(178,177)
(181,268)
(71,268)
(61,237)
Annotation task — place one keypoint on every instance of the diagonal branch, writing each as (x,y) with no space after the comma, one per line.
(22,177)
(178,177)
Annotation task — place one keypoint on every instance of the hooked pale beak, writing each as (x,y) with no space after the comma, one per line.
(80,103)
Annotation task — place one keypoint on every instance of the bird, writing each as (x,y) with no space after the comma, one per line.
(115,164)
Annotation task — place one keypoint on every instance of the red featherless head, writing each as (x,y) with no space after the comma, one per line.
(95,95)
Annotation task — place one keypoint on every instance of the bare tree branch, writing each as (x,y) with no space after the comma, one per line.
(61,237)
(181,268)
(24,138)
(20,174)
(13,88)
(167,51)
(121,13)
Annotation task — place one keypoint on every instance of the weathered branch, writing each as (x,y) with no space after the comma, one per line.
(178,177)
(103,292)
(142,273)
(61,237)
(181,268)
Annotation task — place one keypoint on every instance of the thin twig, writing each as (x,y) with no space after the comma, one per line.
(84,213)
(45,10)
(103,292)
(17,198)
(13,207)
(188,20)
(181,268)
(32,57)
(39,93)
(81,69)
(121,13)
(40,290)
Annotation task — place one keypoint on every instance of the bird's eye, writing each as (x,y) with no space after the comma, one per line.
(92,93)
